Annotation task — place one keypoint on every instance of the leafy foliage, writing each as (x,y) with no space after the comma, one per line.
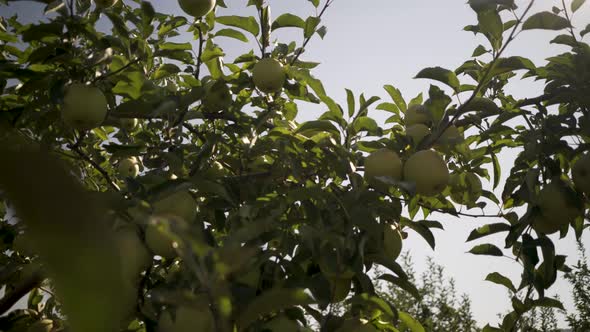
(280,221)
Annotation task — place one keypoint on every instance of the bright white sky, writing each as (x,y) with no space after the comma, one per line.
(373,43)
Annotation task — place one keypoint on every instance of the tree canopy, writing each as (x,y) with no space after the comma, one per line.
(152,183)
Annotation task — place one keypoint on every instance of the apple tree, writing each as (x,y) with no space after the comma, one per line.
(153,183)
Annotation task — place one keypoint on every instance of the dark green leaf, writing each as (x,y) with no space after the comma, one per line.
(288,20)
(311,24)
(403,284)
(486,249)
(576,4)
(545,20)
(272,300)
(499,279)
(247,23)
(442,75)
(231,33)
(488,230)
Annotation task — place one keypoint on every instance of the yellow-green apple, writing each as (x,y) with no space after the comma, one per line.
(268,75)
(217,96)
(383,162)
(197,8)
(135,257)
(417,132)
(128,168)
(581,173)
(556,208)
(417,113)
(85,107)
(181,204)
(428,170)
(129,124)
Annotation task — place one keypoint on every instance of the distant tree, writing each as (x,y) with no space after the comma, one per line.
(579,278)
(441,308)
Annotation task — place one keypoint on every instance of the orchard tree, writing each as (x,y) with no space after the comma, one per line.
(154,184)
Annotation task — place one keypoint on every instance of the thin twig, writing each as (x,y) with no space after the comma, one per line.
(302,48)
(76,148)
(436,135)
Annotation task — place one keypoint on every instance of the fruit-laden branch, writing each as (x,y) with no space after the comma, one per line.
(24,287)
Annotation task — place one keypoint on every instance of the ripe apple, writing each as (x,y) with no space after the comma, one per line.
(428,171)
(392,242)
(84,108)
(197,8)
(340,287)
(383,162)
(45,325)
(180,204)
(581,174)
(128,168)
(282,323)
(187,319)
(135,257)
(105,3)
(268,75)
(416,114)
(556,208)
(466,188)
(417,132)
(158,242)
(129,124)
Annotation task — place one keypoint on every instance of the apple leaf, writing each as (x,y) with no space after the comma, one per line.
(246,23)
(546,21)
(576,4)
(499,279)
(486,230)
(231,33)
(486,249)
(288,20)
(403,284)
(442,75)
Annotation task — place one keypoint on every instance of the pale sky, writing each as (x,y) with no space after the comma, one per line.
(376,42)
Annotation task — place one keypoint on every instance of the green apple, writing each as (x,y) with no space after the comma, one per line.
(135,257)
(187,319)
(556,209)
(129,124)
(159,242)
(392,242)
(417,132)
(466,188)
(282,323)
(197,8)
(581,174)
(180,204)
(383,162)
(340,287)
(416,114)
(451,136)
(268,75)
(105,3)
(217,97)
(45,325)
(128,168)
(428,170)
(84,108)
